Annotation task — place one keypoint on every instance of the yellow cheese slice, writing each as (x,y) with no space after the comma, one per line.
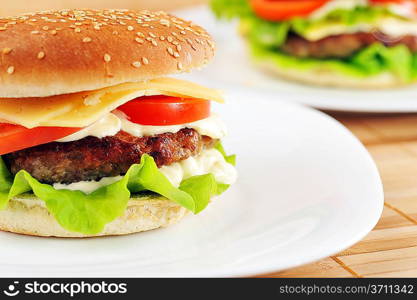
(84,108)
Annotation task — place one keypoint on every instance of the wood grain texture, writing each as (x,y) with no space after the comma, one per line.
(390,250)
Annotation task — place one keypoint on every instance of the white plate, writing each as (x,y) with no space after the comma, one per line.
(232,66)
(307,189)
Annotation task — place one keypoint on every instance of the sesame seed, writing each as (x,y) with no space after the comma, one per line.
(10,70)
(170,51)
(45,28)
(136,64)
(154,43)
(162,38)
(152,35)
(170,39)
(115,32)
(35,32)
(130,28)
(179,65)
(96,27)
(164,22)
(183,32)
(77,30)
(107,57)
(145,60)
(139,40)
(53,32)
(6,50)
(140,34)
(86,39)
(176,54)
(179,48)
(41,55)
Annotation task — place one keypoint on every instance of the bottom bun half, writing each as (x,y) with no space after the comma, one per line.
(28,215)
(332,78)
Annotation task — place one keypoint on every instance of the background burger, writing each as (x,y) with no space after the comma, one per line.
(352,43)
(94,139)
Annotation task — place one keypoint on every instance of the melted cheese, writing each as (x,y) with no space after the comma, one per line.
(84,108)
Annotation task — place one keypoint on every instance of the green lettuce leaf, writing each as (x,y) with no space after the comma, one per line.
(230,9)
(6,180)
(231,159)
(89,213)
(201,188)
(373,60)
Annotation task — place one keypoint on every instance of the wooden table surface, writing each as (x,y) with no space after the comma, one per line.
(391,248)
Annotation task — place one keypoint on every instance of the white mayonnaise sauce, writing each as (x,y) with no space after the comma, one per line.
(106,126)
(336,4)
(112,123)
(397,27)
(209,161)
(405,9)
(87,186)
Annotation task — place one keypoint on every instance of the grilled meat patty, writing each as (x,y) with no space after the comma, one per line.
(342,46)
(92,158)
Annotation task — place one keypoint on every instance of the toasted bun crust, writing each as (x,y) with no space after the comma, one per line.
(64,51)
(29,216)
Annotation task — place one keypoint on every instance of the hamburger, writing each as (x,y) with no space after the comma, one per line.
(343,43)
(96,138)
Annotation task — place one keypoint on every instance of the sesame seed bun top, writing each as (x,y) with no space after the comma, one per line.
(64,51)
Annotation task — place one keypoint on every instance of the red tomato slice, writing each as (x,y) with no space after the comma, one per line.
(16,137)
(279,10)
(165,110)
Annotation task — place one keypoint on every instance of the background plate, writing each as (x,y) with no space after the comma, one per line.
(307,189)
(232,65)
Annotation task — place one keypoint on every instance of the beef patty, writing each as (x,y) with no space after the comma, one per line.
(342,46)
(92,158)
